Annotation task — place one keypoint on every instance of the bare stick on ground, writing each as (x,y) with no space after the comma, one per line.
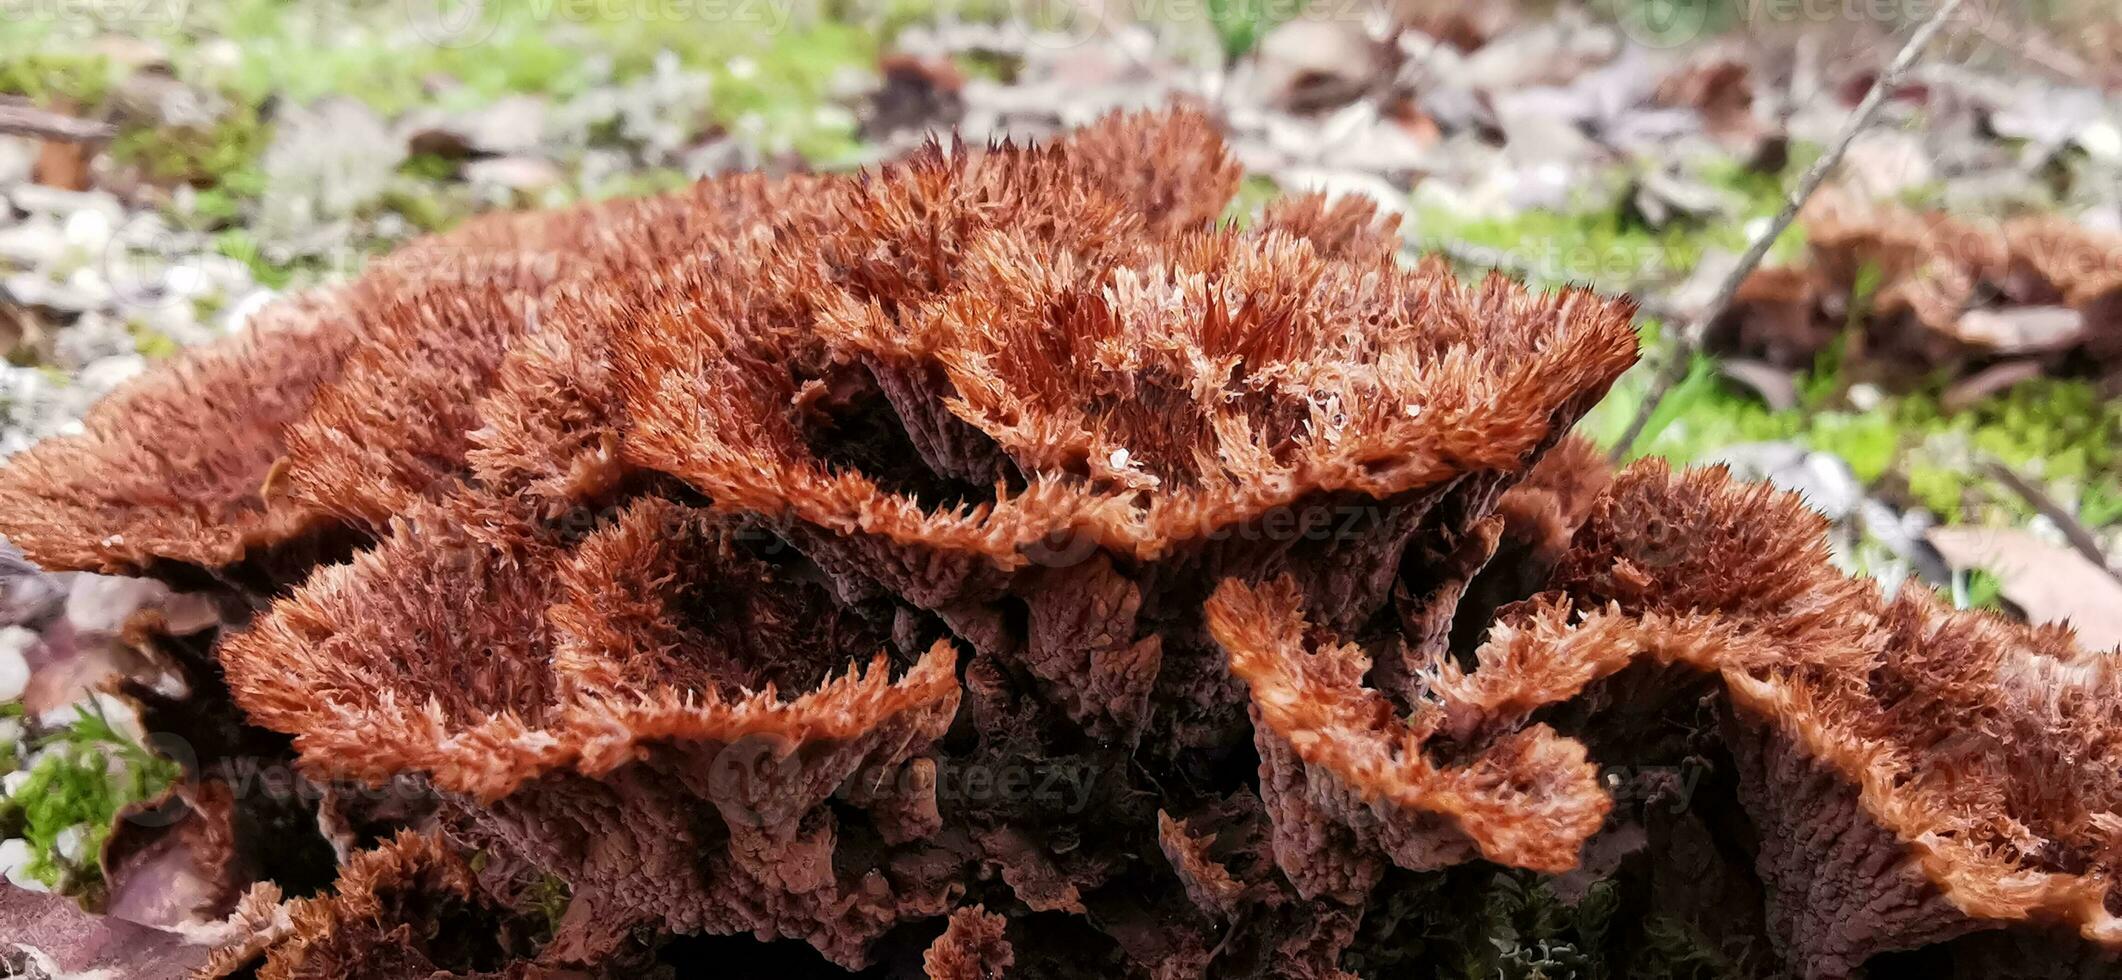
(2081,540)
(28,120)
(1684,350)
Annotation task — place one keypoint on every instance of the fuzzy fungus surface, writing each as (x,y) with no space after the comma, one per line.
(987,565)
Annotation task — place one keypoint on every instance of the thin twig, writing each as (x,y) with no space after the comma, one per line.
(27,120)
(1683,351)
(2080,538)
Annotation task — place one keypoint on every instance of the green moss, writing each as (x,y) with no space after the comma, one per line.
(428,166)
(1485,923)
(1597,242)
(214,207)
(1674,950)
(993,66)
(270,270)
(2101,504)
(1254,193)
(1241,24)
(153,344)
(50,77)
(2063,429)
(374,52)
(640,183)
(548,897)
(222,156)
(426,206)
(1978,589)
(2057,431)
(782,104)
(1763,195)
(888,17)
(89,773)
(1669,23)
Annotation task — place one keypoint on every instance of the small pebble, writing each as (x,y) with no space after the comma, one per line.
(15,857)
(71,844)
(15,645)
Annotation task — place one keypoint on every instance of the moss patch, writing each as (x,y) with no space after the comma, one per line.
(86,773)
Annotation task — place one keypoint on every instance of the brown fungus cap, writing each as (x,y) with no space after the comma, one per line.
(1022,399)
(988,563)
(377,924)
(622,690)
(1932,290)
(256,457)
(1965,767)
(174,467)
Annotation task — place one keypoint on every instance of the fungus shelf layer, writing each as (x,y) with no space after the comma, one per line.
(990,563)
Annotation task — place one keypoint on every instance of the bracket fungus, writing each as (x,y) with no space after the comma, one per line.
(991,565)
(1933,291)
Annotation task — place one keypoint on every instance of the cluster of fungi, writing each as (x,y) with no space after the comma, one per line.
(1932,294)
(996,564)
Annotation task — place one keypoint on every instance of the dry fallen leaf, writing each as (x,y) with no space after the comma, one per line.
(1660,199)
(2050,583)
(1718,84)
(525,174)
(2022,329)
(1968,392)
(1313,65)
(1883,164)
(63,164)
(1777,386)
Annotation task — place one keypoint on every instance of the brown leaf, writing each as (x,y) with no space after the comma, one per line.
(2051,583)
(1311,65)
(525,174)
(63,164)
(2022,329)
(1778,387)
(1970,391)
